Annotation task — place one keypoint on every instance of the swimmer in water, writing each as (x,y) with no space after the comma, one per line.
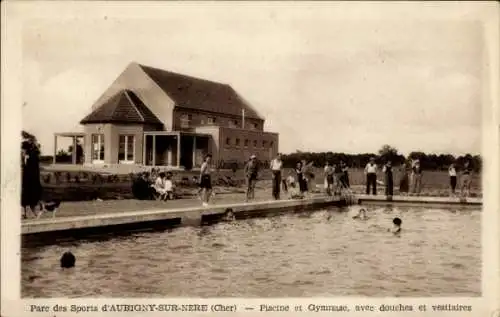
(396,225)
(361,215)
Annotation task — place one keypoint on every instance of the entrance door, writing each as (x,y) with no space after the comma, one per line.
(97,148)
(126,149)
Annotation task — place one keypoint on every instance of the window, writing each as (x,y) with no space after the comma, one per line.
(186,120)
(246,142)
(254,143)
(264,144)
(253,126)
(234,123)
(237,142)
(98,148)
(126,147)
(228,141)
(211,120)
(271,144)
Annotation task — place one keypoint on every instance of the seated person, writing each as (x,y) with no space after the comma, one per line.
(140,187)
(159,186)
(293,188)
(169,187)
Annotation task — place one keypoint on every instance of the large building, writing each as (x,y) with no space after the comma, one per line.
(154,117)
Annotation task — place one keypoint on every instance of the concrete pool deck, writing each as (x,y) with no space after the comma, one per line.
(179,212)
(121,215)
(419,200)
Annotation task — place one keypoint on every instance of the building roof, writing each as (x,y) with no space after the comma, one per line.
(200,94)
(123,107)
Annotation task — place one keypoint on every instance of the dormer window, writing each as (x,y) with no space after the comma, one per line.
(253,126)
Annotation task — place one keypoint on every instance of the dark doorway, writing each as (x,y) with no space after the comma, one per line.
(187,152)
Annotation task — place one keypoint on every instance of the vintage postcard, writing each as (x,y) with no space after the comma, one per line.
(250,158)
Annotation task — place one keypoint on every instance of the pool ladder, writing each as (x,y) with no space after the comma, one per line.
(348,196)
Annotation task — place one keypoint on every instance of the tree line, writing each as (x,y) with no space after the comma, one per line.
(428,161)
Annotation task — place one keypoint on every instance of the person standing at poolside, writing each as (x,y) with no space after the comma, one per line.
(206,180)
(307,173)
(276,169)
(389,185)
(404,183)
(31,187)
(416,176)
(345,174)
(339,178)
(251,171)
(453,179)
(466,179)
(371,176)
(299,170)
(328,178)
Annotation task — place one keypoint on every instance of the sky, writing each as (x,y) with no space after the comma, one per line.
(326,79)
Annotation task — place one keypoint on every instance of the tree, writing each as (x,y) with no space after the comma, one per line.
(31,139)
(388,153)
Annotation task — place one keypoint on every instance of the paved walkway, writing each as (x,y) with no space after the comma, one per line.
(85,208)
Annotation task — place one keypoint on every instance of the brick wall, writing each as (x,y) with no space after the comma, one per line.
(202,119)
(237,145)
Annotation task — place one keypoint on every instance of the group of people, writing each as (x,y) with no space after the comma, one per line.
(297,184)
(411,179)
(300,180)
(336,178)
(154,185)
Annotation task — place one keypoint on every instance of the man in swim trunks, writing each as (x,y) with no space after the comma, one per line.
(328,178)
(206,180)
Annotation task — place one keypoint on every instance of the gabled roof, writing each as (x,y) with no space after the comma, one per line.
(200,94)
(123,107)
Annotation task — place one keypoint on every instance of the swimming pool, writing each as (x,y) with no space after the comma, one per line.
(320,253)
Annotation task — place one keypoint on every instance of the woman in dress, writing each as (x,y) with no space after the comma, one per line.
(404,183)
(31,187)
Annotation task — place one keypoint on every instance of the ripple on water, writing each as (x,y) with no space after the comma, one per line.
(306,254)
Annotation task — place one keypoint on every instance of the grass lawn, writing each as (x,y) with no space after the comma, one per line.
(81,183)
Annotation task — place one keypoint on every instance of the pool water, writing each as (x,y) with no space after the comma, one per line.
(321,253)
